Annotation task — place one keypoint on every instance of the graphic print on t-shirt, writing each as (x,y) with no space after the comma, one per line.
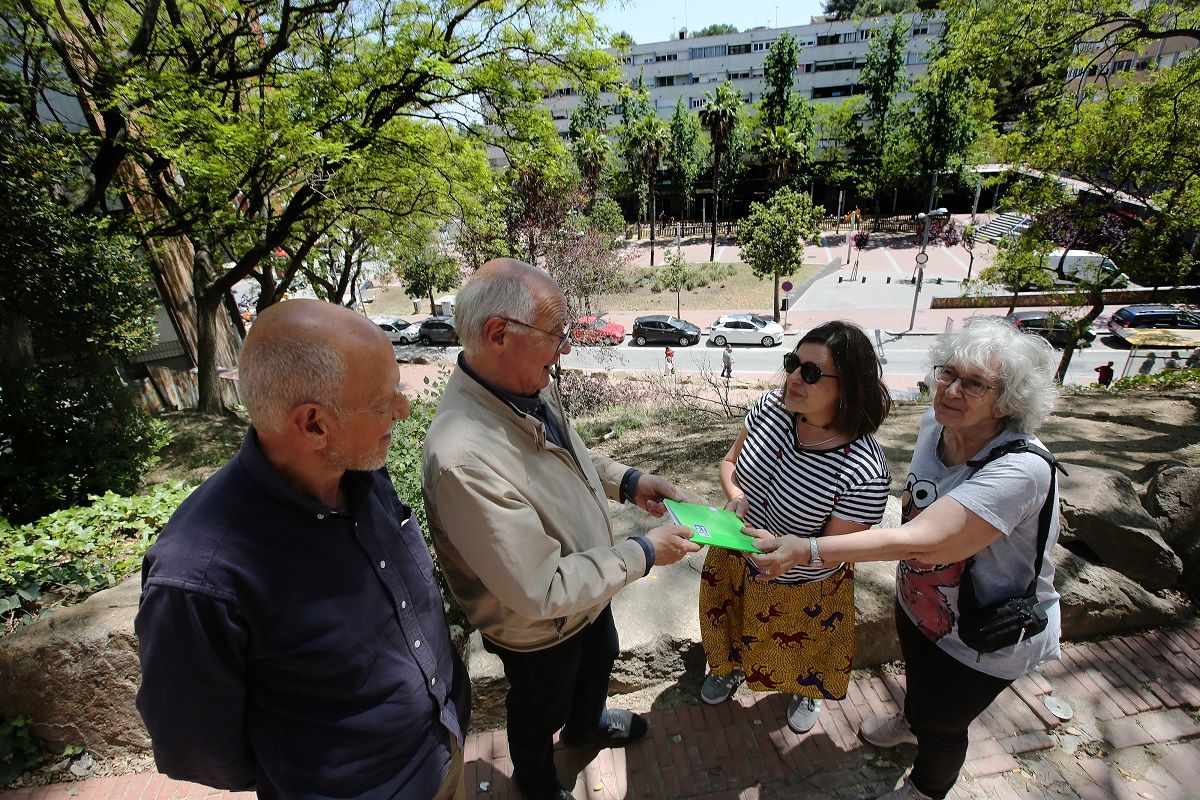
(921,584)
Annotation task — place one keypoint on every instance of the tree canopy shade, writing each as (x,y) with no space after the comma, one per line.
(228,128)
(773,234)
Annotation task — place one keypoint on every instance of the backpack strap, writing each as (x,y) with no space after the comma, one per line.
(1047,513)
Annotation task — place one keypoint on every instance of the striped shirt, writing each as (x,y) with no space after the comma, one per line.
(793,490)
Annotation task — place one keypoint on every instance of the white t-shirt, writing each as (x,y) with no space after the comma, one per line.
(1008,493)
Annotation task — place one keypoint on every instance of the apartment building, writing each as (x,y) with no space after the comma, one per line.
(832,52)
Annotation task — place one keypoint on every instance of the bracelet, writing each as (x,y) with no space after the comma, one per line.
(814,558)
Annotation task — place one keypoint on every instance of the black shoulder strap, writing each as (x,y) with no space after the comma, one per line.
(1024,446)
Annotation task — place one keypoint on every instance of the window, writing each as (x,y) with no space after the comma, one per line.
(696,102)
(920,30)
(758,47)
(821,92)
(666,57)
(739,76)
(867,34)
(834,66)
(664,80)
(832,38)
(626,60)
(1124,65)
(712,51)
(738,49)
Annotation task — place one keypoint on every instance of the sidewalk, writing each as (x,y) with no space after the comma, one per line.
(1135,733)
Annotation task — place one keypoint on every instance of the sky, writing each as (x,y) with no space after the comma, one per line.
(659,20)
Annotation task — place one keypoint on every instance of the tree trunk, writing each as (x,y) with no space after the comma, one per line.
(208,305)
(16,340)
(1097,301)
(653,213)
(775,300)
(712,249)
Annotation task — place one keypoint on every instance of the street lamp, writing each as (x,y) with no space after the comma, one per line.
(927,222)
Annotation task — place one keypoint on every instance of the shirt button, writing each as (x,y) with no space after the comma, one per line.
(383,565)
(404,604)
(433,681)
(320,516)
(417,644)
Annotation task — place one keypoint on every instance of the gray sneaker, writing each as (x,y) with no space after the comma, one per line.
(887,731)
(717,688)
(802,713)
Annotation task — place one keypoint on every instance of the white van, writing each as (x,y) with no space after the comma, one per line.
(1084,265)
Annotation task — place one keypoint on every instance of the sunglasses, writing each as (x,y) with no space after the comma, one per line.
(810,372)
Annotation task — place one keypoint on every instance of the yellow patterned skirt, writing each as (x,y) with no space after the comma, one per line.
(786,637)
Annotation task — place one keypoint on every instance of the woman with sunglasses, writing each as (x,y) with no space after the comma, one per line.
(971,525)
(806,464)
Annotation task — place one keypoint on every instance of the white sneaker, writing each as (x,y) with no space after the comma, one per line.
(717,688)
(906,791)
(887,731)
(802,713)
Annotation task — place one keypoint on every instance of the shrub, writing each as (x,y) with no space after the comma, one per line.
(586,393)
(72,553)
(1176,377)
(64,437)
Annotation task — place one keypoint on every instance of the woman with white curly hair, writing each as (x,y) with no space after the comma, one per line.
(980,515)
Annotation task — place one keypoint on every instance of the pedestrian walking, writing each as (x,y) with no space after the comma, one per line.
(1148,365)
(668,361)
(1193,360)
(1173,361)
(1104,374)
(727,362)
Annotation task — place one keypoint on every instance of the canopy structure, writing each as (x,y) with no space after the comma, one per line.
(1155,339)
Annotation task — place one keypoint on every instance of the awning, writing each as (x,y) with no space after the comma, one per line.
(1167,339)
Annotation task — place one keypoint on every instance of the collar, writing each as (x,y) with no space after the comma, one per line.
(520,404)
(252,459)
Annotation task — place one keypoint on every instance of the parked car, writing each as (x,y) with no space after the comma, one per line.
(745,329)
(1057,333)
(1152,316)
(400,331)
(664,330)
(437,330)
(591,329)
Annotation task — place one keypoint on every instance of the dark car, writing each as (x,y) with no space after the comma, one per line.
(1057,333)
(1152,316)
(664,330)
(437,330)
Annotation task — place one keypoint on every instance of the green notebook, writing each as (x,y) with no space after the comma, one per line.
(716,526)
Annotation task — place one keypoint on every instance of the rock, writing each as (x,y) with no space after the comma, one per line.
(1101,511)
(1173,498)
(1098,601)
(75,675)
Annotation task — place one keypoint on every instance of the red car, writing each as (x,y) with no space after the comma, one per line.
(596,330)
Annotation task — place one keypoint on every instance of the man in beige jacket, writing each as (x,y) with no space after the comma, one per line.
(518,511)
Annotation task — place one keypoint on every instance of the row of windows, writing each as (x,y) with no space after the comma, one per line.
(721,50)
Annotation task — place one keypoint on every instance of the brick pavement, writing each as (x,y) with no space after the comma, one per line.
(1135,734)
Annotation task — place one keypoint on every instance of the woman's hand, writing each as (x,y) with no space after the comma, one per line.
(780,553)
(738,505)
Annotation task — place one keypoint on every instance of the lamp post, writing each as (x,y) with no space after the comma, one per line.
(927,221)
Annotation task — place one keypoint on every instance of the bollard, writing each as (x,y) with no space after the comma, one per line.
(839,278)
(939,281)
(889,280)
(864,278)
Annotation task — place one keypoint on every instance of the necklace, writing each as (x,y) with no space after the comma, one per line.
(804,420)
(816,444)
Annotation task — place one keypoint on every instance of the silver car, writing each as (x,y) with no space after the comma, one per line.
(745,329)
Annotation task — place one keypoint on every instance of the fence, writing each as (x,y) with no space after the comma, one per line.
(667,229)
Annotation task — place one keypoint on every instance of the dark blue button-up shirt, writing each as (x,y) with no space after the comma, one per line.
(295,648)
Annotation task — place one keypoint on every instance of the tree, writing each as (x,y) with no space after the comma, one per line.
(772,236)
(429,270)
(634,106)
(653,141)
(883,78)
(685,156)
(716,29)
(784,149)
(1018,265)
(721,116)
(779,70)
(784,119)
(589,145)
(675,273)
(222,130)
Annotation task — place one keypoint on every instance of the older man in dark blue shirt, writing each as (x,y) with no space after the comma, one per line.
(291,632)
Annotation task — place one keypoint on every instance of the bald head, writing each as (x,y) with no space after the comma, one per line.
(299,351)
(503,287)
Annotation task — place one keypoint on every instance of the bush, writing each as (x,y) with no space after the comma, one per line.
(65,437)
(72,553)
(586,393)
(1176,377)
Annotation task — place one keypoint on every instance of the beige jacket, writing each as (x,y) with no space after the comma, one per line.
(521,526)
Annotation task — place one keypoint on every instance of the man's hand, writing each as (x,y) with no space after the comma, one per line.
(671,543)
(651,490)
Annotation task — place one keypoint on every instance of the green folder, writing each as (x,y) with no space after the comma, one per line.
(716,526)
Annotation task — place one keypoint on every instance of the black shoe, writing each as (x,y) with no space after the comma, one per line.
(623,728)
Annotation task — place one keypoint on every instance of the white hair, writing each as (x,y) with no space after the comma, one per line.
(1024,362)
(276,376)
(486,296)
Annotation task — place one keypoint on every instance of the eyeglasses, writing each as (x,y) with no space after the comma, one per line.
(810,372)
(561,338)
(946,376)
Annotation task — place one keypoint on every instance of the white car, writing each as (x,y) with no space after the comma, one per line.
(399,331)
(745,329)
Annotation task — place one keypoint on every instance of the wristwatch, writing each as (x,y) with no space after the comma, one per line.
(814,558)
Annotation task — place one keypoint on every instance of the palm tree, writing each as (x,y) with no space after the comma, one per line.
(783,149)
(720,117)
(592,152)
(653,138)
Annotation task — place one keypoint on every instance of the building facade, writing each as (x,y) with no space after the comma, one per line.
(832,53)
